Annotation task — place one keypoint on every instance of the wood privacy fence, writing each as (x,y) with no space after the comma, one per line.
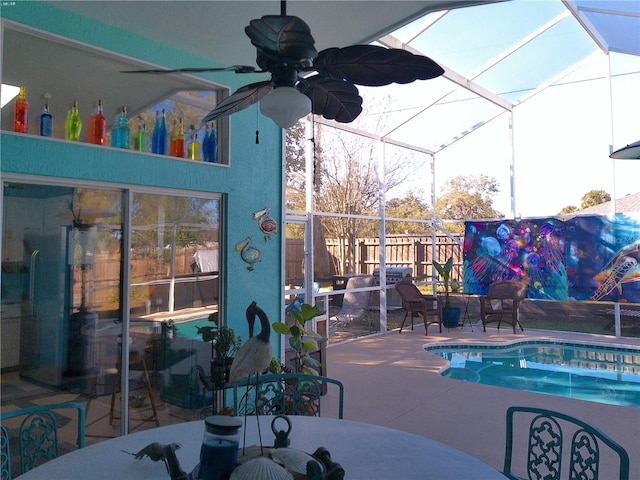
(401,251)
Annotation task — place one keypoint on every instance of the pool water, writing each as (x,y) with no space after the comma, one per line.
(608,375)
(187,328)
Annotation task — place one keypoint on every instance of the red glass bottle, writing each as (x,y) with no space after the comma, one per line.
(98,130)
(21,112)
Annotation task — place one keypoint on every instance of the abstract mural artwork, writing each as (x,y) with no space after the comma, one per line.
(579,258)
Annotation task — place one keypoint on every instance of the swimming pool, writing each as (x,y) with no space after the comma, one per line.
(608,375)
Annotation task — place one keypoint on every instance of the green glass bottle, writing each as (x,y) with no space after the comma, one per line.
(142,139)
(73,124)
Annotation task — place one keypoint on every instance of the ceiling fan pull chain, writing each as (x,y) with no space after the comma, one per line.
(257,127)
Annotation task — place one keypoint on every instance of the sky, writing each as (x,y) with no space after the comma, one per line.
(562,137)
(562,141)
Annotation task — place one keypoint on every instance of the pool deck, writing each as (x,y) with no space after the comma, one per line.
(391,380)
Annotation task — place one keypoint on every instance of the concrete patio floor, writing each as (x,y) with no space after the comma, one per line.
(391,380)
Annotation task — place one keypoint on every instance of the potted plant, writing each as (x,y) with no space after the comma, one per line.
(224,345)
(450,315)
(303,341)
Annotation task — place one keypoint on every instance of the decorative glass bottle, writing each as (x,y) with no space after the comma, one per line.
(99,131)
(73,124)
(176,144)
(142,139)
(21,112)
(205,143)
(193,146)
(212,146)
(121,135)
(162,136)
(46,122)
(159,140)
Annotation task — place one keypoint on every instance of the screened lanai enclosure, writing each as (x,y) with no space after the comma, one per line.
(535,95)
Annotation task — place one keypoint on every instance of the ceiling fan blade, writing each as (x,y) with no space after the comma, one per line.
(286,36)
(232,68)
(239,100)
(333,99)
(375,66)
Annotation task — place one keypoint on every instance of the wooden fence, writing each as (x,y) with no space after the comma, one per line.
(401,251)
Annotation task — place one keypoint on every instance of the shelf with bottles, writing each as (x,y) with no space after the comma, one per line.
(161,141)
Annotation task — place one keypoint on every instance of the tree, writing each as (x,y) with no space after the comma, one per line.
(466,198)
(295,157)
(347,182)
(593,198)
(568,210)
(410,207)
(295,193)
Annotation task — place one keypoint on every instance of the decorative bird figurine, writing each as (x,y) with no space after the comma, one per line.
(167,453)
(254,355)
(248,253)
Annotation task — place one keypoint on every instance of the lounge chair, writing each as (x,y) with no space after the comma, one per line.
(355,305)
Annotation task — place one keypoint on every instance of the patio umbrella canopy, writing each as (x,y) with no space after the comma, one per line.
(630,152)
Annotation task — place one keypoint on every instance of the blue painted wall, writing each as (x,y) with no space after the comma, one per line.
(252,181)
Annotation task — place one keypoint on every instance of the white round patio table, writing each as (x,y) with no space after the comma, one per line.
(366,452)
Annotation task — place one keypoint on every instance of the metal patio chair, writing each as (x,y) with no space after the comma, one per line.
(38,435)
(283,393)
(548,432)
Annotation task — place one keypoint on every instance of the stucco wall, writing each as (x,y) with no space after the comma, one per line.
(252,181)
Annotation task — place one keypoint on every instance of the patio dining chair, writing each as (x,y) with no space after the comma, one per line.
(502,303)
(37,434)
(418,305)
(548,433)
(284,393)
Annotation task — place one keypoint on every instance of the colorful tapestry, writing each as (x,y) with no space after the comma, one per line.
(582,258)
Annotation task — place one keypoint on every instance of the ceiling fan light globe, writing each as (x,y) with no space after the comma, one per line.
(285,106)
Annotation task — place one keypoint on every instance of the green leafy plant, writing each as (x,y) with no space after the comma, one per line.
(224,342)
(301,340)
(445,272)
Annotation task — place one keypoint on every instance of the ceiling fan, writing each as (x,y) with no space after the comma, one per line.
(304,80)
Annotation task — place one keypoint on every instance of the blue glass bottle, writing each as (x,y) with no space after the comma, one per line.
(212,147)
(205,144)
(125,132)
(115,132)
(156,133)
(46,122)
(160,146)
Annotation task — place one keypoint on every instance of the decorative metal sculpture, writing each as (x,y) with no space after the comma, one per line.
(248,253)
(267,224)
